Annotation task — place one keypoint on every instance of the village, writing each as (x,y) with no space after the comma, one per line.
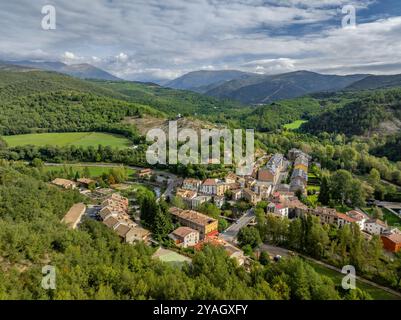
(278,180)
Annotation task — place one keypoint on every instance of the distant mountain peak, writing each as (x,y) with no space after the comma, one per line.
(81,70)
(204,80)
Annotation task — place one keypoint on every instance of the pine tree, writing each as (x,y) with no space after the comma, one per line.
(324,195)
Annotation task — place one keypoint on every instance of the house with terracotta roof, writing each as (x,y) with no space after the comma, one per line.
(205,225)
(278,209)
(359,217)
(391,242)
(64,183)
(209,186)
(186,195)
(185,237)
(145,173)
(344,219)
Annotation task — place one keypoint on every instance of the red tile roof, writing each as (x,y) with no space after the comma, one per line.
(395,237)
(182,232)
(210,182)
(346,218)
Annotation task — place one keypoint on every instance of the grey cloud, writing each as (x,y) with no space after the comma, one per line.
(152,39)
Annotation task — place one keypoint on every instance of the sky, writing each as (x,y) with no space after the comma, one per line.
(155,40)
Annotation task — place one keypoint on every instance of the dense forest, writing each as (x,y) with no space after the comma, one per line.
(391,149)
(363,116)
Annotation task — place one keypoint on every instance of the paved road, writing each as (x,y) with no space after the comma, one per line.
(392,205)
(273,250)
(231,232)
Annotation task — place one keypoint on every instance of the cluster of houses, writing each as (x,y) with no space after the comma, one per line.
(69,184)
(258,186)
(114,214)
(391,237)
(195,192)
(286,204)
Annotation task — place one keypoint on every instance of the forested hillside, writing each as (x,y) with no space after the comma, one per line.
(274,116)
(369,112)
(171,101)
(37,101)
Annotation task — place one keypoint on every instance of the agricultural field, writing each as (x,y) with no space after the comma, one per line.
(84,139)
(295,125)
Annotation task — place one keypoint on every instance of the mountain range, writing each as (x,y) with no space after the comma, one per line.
(251,88)
(82,70)
(245,87)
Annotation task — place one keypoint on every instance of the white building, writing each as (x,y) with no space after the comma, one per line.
(185,237)
(375,226)
(191,184)
(278,209)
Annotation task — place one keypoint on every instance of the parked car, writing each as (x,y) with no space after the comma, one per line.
(277,258)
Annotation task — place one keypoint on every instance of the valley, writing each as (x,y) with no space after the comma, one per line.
(67,141)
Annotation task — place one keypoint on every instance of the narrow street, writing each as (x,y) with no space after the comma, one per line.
(230,234)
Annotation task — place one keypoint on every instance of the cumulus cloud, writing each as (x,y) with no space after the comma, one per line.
(150,39)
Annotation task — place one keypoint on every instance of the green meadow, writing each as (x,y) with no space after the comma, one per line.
(295,125)
(84,139)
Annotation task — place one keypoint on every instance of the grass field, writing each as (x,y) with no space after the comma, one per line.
(84,139)
(294,125)
(376,293)
(94,171)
